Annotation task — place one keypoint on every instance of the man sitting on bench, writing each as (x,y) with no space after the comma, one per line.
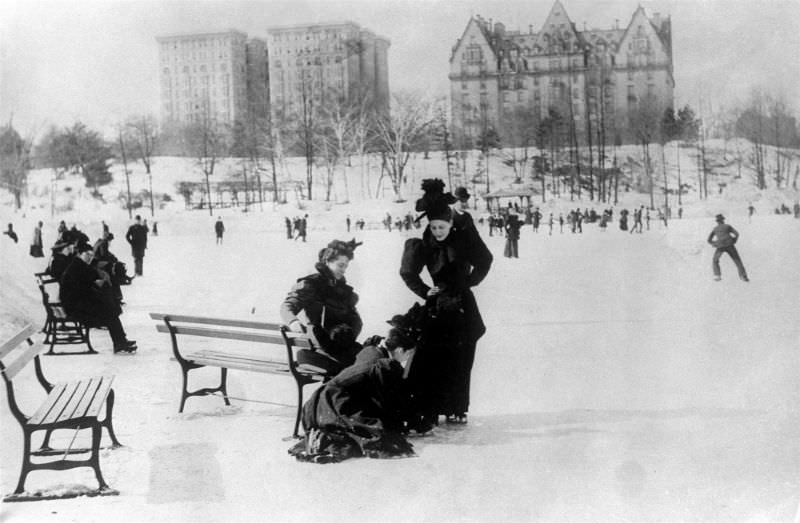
(87,297)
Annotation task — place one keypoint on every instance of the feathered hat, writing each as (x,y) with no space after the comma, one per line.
(435,203)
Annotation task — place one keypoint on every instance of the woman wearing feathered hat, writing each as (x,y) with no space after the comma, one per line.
(440,375)
(329,304)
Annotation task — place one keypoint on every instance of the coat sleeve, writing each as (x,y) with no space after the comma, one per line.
(411,266)
(298,298)
(480,258)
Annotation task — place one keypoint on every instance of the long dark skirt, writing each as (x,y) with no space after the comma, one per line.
(358,413)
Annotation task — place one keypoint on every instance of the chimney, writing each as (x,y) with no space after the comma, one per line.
(616,23)
(491,27)
(530,29)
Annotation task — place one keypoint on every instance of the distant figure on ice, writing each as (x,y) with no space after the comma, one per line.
(329,305)
(550,223)
(347,221)
(723,237)
(512,236)
(561,223)
(623,220)
(219,229)
(302,227)
(11,234)
(750,212)
(137,238)
(87,296)
(37,250)
(155,228)
(440,376)
(362,412)
(62,230)
(288,224)
(797,209)
(536,219)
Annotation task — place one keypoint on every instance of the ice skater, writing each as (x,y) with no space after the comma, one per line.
(724,237)
(219,229)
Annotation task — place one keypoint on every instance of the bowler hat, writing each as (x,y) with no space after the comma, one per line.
(720,218)
(462,194)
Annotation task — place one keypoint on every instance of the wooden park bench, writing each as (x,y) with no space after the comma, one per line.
(276,353)
(59,327)
(69,405)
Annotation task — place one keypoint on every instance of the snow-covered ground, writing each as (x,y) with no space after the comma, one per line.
(617,381)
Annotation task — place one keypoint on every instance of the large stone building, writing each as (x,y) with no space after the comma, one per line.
(214,75)
(597,79)
(324,63)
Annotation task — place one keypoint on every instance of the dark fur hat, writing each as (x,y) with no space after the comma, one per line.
(338,248)
(435,203)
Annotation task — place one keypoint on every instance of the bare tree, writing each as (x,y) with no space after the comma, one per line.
(144,137)
(645,123)
(206,139)
(400,132)
(123,152)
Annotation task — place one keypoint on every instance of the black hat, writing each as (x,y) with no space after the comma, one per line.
(435,203)
(720,218)
(83,247)
(410,323)
(462,194)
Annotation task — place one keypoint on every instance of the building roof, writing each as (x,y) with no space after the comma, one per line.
(189,36)
(510,192)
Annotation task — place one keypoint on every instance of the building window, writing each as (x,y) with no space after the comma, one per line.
(630,75)
(463,85)
(474,54)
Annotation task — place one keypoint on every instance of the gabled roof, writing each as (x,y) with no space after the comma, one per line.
(657,30)
(477,22)
(557,16)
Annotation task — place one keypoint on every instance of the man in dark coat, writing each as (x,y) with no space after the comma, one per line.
(724,237)
(86,296)
(219,229)
(137,237)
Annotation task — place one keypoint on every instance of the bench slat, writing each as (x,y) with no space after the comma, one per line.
(18,338)
(45,407)
(100,396)
(228,361)
(80,403)
(23,359)
(224,334)
(65,398)
(224,322)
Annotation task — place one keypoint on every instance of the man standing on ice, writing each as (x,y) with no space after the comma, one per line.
(723,237)
(219,229)
(137,237)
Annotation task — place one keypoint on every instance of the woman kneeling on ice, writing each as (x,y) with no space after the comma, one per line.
(362,411)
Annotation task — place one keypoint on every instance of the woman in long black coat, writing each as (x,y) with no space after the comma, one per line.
(456,261)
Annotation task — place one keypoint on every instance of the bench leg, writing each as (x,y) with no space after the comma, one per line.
(107,423)
(26,463)
(296,434)
(223,385)
(86,339)
(184,391)
(46,442)
(94,461)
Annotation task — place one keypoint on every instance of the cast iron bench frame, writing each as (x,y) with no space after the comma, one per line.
(59,327)
(69,405)
(240,330)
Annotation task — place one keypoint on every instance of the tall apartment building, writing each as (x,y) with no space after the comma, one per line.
(594,78)
(210,74)
(325,62)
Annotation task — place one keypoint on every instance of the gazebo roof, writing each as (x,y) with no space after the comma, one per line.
(510,192)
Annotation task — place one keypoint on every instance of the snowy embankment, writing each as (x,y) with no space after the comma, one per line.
(617,381)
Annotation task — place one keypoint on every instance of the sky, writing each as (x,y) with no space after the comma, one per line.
(63,61)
